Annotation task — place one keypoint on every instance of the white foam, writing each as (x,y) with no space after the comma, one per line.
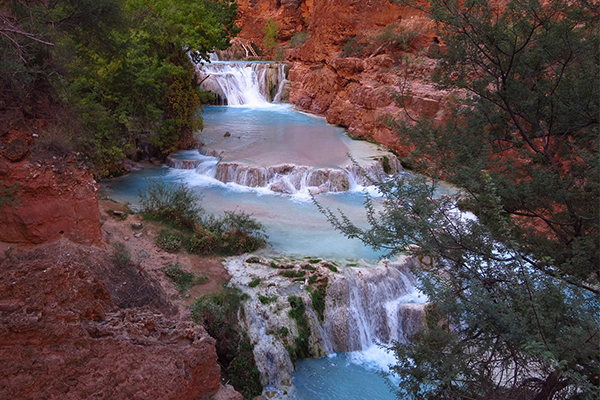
(376,358)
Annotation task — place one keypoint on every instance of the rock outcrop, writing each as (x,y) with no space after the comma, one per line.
(70,330)
(52,196)
(354,58)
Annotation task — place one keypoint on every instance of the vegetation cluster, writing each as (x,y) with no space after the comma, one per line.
(220,313)
(117,75)
(195,230)
(512,260)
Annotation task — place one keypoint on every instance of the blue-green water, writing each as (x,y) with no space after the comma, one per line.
(295,226)
(343,376)
(293,223)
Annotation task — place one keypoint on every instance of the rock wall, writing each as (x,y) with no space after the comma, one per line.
(70,330)
(56,195)
(353,84)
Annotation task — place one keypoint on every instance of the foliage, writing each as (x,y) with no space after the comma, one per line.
(298,313)
(513,282)
(168,241)
(254,282)
(496,324)
(219,313)
(318,295)
(271,38)
(173,203)
(299,39)
(179,206)
(233,233)
(267,299)
(392,39)
(122,65)
(182,279)
(8,194)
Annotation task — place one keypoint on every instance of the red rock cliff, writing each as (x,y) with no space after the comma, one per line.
(75,326)
(56,195)
(355,56)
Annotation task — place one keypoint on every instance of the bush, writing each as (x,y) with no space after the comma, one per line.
(203,241)
(271,38)
(293,274)
(234,233)
(254,283)
(318,299)
(182,279)
(266,299)
(168,241)
(173,203)
(218,313)
(299,39)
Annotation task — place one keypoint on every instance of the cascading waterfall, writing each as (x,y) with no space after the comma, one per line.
(284,178)
(244,83)
(363,307)
(369,306)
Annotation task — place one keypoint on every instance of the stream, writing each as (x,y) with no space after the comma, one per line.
(268,160)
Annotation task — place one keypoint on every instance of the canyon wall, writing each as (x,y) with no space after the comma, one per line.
(74,325)
(44,195)
(350,58)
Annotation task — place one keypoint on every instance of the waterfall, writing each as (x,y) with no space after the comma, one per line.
(284,178)
(253,84)
(369,306)
(363,306)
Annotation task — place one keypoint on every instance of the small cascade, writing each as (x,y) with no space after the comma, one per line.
(363,307)
(369,306)
(284,178)
(244,83)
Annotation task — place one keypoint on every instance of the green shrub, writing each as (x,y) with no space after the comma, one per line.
(299,39)
(271,38)
(172,203)
(235,233)
(203,241)
(318,296)
(8,193)
(332,267)
(218,313)
(182,279)
(283,331)
(267,299)
(308,267)
(293,274)
(298,313)
(254,283)
(354,47)
(253,260)
(168,241)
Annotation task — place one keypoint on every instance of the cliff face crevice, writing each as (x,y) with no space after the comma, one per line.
(356,57)
(62,334)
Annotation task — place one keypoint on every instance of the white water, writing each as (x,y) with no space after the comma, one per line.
(250,84)
(256,151)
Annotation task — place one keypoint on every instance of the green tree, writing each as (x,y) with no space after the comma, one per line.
(124,66)
(514,284)
(271,38)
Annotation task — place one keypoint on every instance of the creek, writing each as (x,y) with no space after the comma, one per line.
(268,160)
